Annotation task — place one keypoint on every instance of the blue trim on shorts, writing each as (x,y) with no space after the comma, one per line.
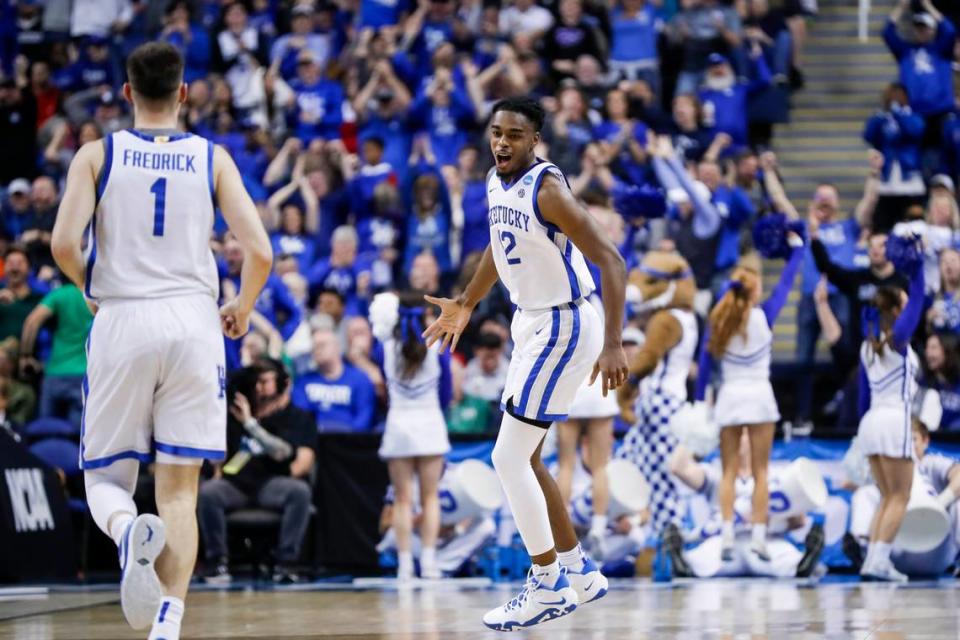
(132,454)
(564,359)
(189,452)
(541,360)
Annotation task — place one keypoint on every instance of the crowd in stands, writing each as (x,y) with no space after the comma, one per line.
(358,127)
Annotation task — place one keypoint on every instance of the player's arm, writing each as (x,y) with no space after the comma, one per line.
(76,210)
(562,209)
(244,222)
(455,314)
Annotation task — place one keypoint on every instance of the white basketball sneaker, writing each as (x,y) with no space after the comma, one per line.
(588,582)
(140,590)
(536,603)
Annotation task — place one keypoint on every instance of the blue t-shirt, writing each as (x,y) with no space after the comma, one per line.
(430,234)
(346,403)
(299,246)
(635,39)
(735,210)
(321,102)
(925,70)
(381,13)
(840,239)
(196,54)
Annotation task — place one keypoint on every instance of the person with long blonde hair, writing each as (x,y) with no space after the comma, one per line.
(740,338)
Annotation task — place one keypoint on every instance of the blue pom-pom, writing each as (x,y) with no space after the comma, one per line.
(770,235)
(633,202)
(905,252)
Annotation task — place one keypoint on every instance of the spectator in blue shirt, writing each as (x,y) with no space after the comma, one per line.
(284,54)
(622,140)
(725,99)
(687,133)
(839,237)
(473,200)
(428,227)
(92,69)
(316,109)
(292,239)
(372,172)
(426,30)
(340,396)
(633,48)
(190,38)
(735,209)
(925,63)
(944,313)
(341,272)
(381,106)
(444,113)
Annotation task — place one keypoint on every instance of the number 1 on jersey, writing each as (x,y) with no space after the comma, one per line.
(509,242)
(159,191)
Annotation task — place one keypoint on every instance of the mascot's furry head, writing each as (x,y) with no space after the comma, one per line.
(662,281)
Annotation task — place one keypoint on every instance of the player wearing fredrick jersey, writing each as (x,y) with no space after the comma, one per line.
(537,233)
(155,383)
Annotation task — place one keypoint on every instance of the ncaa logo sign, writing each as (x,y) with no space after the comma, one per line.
(528,180)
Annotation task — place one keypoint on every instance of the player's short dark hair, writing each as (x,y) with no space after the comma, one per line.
(525,106)
(155,70)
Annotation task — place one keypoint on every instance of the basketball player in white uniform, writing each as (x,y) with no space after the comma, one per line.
(155,384)
(537,233)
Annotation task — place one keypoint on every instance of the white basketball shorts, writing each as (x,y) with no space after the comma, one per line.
(554,351)
(155,384)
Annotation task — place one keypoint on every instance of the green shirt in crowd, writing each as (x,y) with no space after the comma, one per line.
(68,356)
(13,315)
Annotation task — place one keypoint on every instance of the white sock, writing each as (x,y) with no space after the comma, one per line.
(598,524)
(572,559)
(405,562)
(881,552)
(871,552)
(726,533)
(516,443)
(166,626)
(428,557)
(118,526)
(759,534)
(548,574)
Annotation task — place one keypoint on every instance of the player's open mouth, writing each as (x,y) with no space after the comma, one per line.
(502,159)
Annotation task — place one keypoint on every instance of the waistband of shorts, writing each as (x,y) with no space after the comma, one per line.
(111,302)
(566,305)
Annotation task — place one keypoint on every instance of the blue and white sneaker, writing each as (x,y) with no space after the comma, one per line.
(140,590)
(536,603)
(589,583)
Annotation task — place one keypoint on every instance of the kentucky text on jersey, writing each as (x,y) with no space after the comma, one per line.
(510,217)
(159,160)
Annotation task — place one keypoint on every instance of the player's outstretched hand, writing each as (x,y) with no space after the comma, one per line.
(453,319)
(612,368)
(234,320)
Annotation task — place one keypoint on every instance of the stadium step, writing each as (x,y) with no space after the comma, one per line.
(845,79)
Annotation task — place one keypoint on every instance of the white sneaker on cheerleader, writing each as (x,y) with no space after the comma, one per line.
(140,590)
(883,571)
(536,603)
(588,582)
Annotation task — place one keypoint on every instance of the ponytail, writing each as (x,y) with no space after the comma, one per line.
(730,315)
(413,350)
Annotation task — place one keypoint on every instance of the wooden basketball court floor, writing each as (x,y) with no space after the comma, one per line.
(753,609)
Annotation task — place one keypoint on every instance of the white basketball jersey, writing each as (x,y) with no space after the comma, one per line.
(537,263)
(892,377)
(672,371)
(150,233)
(748,356)
(420,391)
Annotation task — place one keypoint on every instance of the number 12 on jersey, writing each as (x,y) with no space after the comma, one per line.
(159,191)
(509,242)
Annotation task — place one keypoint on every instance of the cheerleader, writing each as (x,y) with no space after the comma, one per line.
(740,338)
(415,437)
(888,370)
